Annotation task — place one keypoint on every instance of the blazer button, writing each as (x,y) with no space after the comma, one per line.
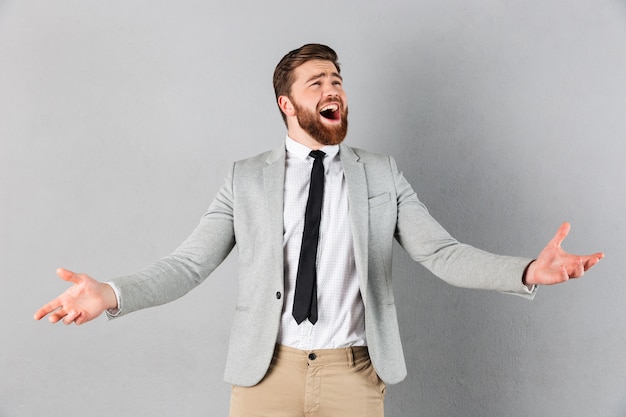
(278,295)
(312,356)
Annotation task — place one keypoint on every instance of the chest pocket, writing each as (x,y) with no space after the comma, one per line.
(378,200)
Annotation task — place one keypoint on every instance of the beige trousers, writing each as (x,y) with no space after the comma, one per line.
(320,383)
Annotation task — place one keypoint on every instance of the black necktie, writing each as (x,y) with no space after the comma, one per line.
(305,300)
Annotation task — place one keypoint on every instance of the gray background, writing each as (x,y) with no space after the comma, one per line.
(118,120)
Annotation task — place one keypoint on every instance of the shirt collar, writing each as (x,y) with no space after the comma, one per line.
(302,151)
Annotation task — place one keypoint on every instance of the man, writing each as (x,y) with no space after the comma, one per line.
(315,329)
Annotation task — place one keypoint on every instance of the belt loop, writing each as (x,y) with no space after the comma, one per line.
(350,354)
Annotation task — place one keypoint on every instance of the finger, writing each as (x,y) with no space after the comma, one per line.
(561,234)
(80,319)
(67,275)
(46,309)
(591,260)
(577,271)
(70,317)
(563,275)
(57,315)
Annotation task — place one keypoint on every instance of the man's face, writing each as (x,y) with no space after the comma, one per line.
(319,102)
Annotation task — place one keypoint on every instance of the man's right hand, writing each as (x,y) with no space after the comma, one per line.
(85,300)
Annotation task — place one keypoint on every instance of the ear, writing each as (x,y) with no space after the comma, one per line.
(286,106)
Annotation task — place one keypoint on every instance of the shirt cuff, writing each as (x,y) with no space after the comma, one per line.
(114,312)
(530,290)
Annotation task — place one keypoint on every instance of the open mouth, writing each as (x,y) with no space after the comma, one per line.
(331,112)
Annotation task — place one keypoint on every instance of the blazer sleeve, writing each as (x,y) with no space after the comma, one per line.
(175,275)
(462,265)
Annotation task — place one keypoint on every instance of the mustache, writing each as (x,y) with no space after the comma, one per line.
(329,100)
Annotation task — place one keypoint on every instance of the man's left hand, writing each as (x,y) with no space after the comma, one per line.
(554,265)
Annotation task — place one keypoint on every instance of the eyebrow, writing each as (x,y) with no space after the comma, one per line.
(323,74)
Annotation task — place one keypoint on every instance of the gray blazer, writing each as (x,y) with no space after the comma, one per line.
(248,213)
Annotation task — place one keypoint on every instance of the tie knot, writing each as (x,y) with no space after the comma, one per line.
(317,154)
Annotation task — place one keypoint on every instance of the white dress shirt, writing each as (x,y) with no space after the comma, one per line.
(341,313)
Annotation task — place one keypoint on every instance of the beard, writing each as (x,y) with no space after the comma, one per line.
(325,135)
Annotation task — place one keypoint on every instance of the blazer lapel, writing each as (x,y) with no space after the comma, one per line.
(273,185)
(354,172)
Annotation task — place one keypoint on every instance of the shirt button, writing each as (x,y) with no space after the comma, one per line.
(278,295)
(312,356)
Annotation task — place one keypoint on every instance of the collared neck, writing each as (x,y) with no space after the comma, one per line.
(302,151)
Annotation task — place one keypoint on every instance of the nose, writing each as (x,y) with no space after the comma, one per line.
(331,90)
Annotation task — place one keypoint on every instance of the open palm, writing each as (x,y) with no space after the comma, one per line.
(85,300)
(554,265)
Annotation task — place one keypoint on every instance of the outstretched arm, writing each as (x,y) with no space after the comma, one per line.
(554,265)
(85,300)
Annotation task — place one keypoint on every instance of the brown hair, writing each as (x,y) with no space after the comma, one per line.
(284,72)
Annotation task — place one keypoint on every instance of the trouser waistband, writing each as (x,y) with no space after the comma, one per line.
(338,356)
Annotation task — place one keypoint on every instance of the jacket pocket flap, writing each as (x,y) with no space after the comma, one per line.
(379,199)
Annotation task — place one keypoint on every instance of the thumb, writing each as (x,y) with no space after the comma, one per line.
(561,234)
(67,275)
